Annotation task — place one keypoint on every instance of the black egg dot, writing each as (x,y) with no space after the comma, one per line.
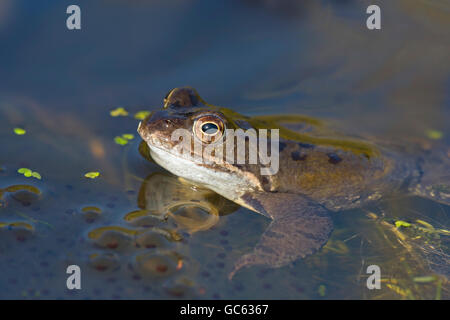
(209,128)
(334,158)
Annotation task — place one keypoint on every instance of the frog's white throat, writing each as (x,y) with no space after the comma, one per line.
(229,185)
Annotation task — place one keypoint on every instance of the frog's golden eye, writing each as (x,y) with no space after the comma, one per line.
(209,128)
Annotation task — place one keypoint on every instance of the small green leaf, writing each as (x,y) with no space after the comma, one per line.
(121,141)
(23,170)
(118,112)
(19,131)
(28,173)
(400,223)
(128,136)
(434,134)
(92,174)
(141,115)
(36,175)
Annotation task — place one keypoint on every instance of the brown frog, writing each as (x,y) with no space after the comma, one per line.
(315,174)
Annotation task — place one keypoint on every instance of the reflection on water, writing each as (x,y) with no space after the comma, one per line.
(155,237)
(137,232)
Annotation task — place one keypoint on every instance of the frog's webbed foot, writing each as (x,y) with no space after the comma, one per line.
(300,227)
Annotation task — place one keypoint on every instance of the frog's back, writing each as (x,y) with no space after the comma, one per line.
(335,177)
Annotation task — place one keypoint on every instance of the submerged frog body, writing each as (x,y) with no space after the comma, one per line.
(316,174)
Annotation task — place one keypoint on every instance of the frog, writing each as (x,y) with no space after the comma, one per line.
(318,174)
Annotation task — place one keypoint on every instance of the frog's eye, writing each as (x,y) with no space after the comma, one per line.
(208,128)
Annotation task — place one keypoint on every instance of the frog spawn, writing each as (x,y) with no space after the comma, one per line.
(150,243)
(14,198)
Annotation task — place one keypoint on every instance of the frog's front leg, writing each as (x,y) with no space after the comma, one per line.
(299,228)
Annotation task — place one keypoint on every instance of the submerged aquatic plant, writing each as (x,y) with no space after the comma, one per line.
(434,134)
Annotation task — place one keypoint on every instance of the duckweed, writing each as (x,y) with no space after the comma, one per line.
(19,131)
(119,112)
(141,115)
(92,174)
(123,139)
(29,173)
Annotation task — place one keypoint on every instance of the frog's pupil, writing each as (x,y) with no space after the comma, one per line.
(209,128)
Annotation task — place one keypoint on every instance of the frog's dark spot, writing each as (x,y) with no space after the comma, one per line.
(195,200)
(334,158)
(282,146)
(306,145)
(297,156)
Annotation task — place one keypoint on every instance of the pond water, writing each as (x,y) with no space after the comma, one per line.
(138,232)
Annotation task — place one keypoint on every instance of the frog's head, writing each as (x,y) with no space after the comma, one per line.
(184,138)
(185,116)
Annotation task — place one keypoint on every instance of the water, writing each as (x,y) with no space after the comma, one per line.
(257,57)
